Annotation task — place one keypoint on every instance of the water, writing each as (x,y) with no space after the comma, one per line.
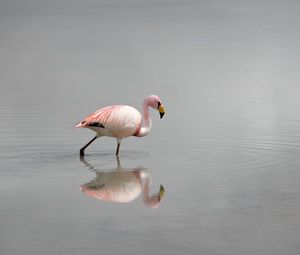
(226,152)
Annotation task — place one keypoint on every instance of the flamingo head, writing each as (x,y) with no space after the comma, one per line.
(154,200)
(155,102)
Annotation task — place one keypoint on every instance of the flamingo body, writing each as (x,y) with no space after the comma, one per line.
(121,121)
(120,186)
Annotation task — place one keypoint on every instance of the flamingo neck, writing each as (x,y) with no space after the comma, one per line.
(150,201)
(146,191)
(146,120)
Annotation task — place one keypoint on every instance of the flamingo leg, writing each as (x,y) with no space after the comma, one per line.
(85,146)
(118,148)
(118,162)
(119,140)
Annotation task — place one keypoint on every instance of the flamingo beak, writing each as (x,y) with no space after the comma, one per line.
(161,110)
(161,193)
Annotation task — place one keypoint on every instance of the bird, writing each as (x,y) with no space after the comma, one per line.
(123,186)
(121,121)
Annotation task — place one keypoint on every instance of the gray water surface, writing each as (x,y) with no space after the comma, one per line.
(226,151)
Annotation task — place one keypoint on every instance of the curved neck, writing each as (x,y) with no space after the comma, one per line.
(146,191)
(150,201)
(146,121)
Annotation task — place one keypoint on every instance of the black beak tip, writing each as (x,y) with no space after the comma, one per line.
(161,114)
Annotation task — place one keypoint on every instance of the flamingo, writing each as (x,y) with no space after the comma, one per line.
(122,185)
(121,121)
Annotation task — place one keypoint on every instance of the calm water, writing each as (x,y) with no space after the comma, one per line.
(226,152)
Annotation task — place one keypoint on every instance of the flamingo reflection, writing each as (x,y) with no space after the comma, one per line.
(121,185)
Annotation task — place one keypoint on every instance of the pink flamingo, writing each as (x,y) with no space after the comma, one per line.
(121,121)
(122,186)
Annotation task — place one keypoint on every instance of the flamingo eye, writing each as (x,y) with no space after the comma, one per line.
(158,104)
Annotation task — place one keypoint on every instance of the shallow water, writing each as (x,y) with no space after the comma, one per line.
(226,152)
